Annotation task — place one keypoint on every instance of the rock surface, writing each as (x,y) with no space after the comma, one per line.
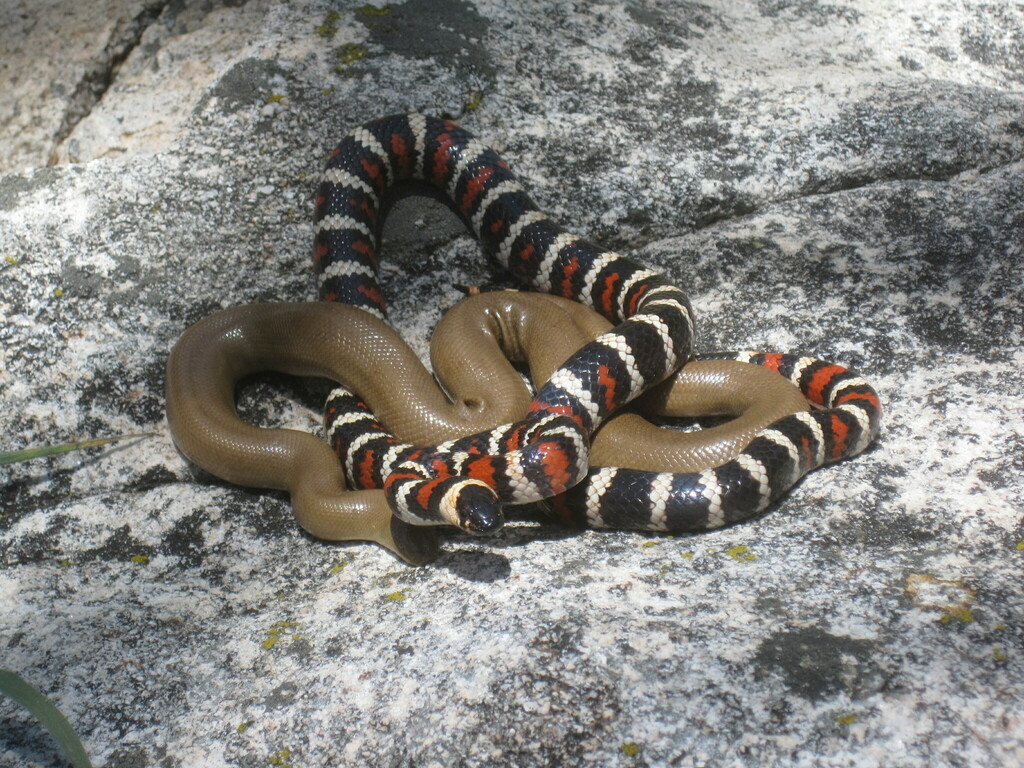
(838,179)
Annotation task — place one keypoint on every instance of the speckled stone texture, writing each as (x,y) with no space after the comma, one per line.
(840,179)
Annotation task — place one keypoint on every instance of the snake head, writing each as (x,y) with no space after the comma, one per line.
(464,502)
(474,506)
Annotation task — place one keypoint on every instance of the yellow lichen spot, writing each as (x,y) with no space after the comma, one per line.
(338,567)
(663,569)
(243,727)
(58,292)
(964,614)
(66,563)
(328,28)
(650,543)
(140,559)
(686,555)
(372,10)
(351,52)
(10,259)
(1020,545)
(474,102)
(849,719)
(282,758)
(275,98)
(961,612)
(327,91)
(741,554)
(396,597)
(278,630)
(630,749)
(998,654)
(951,596)
(1000,627)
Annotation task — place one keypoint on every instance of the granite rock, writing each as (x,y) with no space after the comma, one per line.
(837,179)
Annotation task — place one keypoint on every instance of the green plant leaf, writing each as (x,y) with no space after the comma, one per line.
(50,450)
(47,714)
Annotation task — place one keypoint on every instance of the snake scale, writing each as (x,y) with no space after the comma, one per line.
(647,336)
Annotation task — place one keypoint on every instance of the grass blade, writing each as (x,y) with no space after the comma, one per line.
(47,714)
(50,450)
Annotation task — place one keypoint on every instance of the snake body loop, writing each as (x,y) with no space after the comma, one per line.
(315,339)
(548,451)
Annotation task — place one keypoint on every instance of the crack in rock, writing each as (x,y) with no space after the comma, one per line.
(97,79)
(825,191)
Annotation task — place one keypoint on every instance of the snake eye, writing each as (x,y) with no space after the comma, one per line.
(478,509)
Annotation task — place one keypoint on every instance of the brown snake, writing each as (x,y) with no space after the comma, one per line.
(470,351)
